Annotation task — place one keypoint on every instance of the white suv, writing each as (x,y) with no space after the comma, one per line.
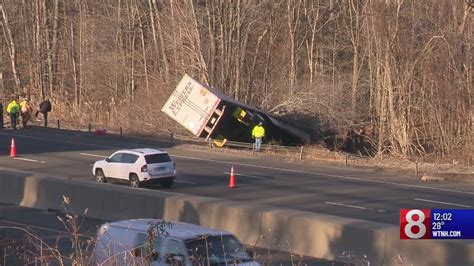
(138,167)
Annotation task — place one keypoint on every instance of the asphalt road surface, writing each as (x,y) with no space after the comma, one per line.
(21,228)
(346,192)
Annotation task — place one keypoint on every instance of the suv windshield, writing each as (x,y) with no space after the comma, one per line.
(216,250)
(157,158)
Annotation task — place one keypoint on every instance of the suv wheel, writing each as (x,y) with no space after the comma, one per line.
(99,176)
(134,181)
(167,184)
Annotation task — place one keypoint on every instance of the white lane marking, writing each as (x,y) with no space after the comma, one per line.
(251,176)
(40,227)
(444,203)
(346,205)
(8,207)
(329,175)
(184,181)
(28,160)
(354,206)
(92,155)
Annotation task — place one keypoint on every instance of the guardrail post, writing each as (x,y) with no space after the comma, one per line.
(171,138)
(121,132)
(301,152)
(59,125)
(90,127)
(416,168)
(346,160)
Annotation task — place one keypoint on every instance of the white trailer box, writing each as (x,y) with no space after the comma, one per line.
(192,105)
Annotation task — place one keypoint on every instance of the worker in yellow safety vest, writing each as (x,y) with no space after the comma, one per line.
(13,109)
(258,133)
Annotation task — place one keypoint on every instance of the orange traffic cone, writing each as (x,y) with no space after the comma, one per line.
(232,183)
(13,149)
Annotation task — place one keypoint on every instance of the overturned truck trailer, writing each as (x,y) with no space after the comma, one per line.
(208,113)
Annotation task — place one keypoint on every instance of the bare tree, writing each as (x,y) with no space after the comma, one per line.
(293,17)
(355,26)
(404,66)
(11,46)
(52,52)
(154,13)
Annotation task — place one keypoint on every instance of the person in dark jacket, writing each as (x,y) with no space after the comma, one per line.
(44,108)
(1,114)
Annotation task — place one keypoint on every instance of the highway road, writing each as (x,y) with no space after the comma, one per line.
(302,185)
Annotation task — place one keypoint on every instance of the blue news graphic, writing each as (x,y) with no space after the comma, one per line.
(452,224)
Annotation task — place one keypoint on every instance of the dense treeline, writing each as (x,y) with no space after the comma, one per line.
(401,69)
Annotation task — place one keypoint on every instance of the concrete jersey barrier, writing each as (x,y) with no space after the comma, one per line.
(297,232)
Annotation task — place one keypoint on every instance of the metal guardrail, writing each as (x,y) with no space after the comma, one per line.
(295,152)
(417,167)
(290,152)
(298,152)
(182,139)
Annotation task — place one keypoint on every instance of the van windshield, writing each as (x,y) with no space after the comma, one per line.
(216,250)
(157,158)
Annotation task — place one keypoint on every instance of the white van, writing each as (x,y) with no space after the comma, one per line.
(125,243)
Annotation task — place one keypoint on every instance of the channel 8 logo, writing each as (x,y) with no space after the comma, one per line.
(415,224)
